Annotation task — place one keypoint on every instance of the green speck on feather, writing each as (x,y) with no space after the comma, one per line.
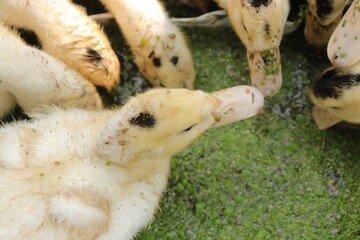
(343,23)
(143,42)
(108,163)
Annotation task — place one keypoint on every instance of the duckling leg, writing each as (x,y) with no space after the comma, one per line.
(66,32)
(35,79)
(260,26)
(158,46)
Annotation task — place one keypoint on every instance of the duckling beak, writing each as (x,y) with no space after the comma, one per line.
(323,118)
(343,47)
(237,103)
(265,71)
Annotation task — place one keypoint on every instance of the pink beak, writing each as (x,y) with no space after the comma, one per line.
(237,103)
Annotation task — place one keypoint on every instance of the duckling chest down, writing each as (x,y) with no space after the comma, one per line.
(77,174)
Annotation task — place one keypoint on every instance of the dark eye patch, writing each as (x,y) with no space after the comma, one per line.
(144,120)
(94,56)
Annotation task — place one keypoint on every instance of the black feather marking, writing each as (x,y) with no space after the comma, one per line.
(93,55)
(144,120)
(267,30)
(174,60)
(157,62)
(259,3)
(333,82)
(324,7)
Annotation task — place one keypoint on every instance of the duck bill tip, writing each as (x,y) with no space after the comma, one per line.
(237,103)
(265,71)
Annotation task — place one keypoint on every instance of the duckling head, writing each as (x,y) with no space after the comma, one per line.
(336,95)
(260,26)
(165,59)
(321,20)
(161,122)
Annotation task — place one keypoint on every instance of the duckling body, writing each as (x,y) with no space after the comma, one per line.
(33,79)
(336,95)
(78,174)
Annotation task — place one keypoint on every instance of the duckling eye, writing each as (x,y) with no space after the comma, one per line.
(187,129)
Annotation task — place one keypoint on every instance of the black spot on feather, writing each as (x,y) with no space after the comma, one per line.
(332,83)
(151,55)
(144,120)
(267,30)
(174,60)
(157,62)
(93,56)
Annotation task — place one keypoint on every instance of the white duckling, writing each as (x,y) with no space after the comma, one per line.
(158,46)
(260,25)
(336,95)
(78,174)
(322,17)
(33,79)
(67,33)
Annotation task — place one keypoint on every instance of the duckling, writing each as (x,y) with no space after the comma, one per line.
(321,20)
(260,25)
(38,80)
(67,33)
(336,95)
(82,174)
(158,46)
(343,48)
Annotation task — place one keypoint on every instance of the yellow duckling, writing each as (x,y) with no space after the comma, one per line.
(78,174)
(33,79)
(336,95)
(159,48)
(67,33)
